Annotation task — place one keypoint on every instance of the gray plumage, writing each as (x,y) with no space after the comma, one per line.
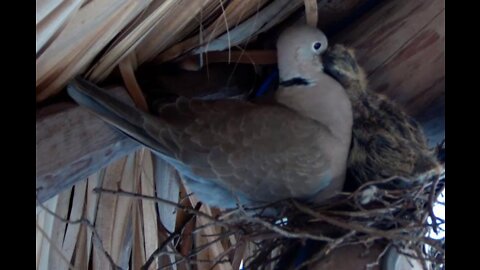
(231,150)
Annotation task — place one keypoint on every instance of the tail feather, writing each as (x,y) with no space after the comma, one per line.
(126,118)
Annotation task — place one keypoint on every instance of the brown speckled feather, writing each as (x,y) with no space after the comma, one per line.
(265,153)
(227,141)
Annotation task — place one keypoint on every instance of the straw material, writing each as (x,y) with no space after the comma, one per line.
(96,37)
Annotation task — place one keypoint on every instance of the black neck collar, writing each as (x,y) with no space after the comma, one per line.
(294,81)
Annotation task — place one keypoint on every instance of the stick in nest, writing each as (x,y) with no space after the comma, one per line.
(400,219)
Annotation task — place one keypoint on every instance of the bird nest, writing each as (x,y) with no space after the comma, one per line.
(297,234)
(372,213)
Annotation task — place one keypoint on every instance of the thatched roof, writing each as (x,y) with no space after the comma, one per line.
(96,36)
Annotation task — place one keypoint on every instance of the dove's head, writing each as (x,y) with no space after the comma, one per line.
(298,50)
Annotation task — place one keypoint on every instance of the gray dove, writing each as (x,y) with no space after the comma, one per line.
(233,151)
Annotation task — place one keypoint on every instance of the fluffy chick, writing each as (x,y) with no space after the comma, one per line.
(386,142)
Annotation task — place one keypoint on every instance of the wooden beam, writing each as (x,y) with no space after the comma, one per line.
(71,144)
(401,45)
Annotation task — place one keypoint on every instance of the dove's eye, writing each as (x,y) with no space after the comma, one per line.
(316,46)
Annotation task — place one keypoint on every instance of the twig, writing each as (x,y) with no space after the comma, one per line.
(157,252)
(421,258)
(279,230)
(178,232)
(205,246)
(431,202)
(288,234)
(153,198)
(393,234)
(183,258)
(376,182)
(228,31)
(223,254)
(87,223)
(434,260)
(203,227)
(380,256)
(57,249)
(324,251)
(366,213)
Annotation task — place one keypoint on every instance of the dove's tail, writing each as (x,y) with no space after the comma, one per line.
(124,117)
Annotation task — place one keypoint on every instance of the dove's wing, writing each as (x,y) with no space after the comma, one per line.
(265,152)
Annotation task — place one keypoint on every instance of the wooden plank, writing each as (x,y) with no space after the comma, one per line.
(380,33)
(150,225)
(422,60)
(57,257)
(124,216)
(332,14)
(167,183)
(401,45)
(76,212)
(83,247)
(138,245)
(415,78)
(47,227)
(254,57)
(73,144)
(107,215)
(39,237)
(203,255)
(208,235)
(138,236)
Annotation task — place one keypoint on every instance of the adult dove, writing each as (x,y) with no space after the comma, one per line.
(232,151)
